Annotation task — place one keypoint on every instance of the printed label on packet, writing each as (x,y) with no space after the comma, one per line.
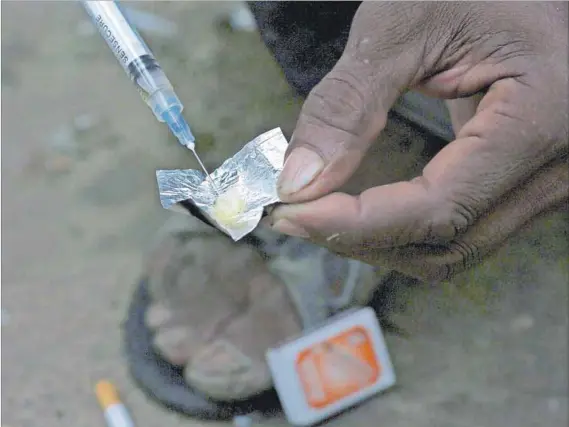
(334,369)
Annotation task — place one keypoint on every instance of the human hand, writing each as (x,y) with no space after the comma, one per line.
(504,66)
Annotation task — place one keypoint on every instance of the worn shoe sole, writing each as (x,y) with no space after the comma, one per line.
(165,384)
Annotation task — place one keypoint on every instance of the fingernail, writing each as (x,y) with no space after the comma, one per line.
(300,169)
(284,226)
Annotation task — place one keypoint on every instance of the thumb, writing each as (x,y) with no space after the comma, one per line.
(348,109)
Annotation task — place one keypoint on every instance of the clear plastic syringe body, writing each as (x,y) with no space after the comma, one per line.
(140,65)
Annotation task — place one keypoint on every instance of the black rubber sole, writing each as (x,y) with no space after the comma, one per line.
(165,383)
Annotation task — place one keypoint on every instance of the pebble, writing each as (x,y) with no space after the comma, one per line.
(63,139)
(85,122)
(243,20)
(522,323)
(242,421)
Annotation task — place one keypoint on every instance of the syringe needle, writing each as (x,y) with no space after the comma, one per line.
(208,176)
(139,63)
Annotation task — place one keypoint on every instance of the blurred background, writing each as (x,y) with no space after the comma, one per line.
(80,207)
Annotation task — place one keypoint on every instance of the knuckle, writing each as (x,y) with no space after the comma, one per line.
(340,101)
(447,221)
(465,254)
(456,257)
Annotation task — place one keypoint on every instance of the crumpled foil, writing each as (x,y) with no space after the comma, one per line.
(251,175)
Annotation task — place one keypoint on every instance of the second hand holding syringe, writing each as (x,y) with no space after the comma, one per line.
(143,69)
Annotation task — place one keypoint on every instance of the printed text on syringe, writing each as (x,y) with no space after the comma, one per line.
(112,39)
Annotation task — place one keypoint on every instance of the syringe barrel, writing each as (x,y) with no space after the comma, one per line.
(122,38)
(134,56)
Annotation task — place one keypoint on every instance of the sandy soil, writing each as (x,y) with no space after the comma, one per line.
(79,206)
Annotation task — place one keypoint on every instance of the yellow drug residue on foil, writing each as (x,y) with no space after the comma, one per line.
(229,207)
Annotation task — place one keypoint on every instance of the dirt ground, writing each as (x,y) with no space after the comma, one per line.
(79,207)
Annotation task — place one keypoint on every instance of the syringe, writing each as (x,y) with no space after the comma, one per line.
(145,72)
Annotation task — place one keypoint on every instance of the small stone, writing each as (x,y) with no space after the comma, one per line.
(84,122)
(63,139)
(242,421)
(522,323)
(243,20)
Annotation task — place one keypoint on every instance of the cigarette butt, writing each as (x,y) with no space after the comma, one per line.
(107,394)
(114,411)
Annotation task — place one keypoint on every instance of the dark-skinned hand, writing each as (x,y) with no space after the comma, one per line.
(502,67)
